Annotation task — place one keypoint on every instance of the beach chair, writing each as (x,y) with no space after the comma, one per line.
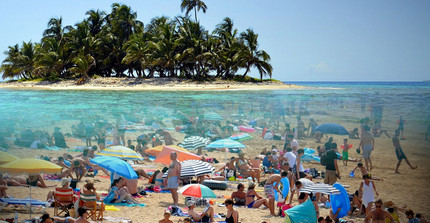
(63,201)
(95,211)
(25,203)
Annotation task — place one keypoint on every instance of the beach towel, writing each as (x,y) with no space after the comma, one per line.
(126,205)
(111,208)
(163,191)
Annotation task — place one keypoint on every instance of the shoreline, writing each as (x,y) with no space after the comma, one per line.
(158,84)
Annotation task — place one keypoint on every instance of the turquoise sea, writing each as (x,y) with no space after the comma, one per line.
(342,102)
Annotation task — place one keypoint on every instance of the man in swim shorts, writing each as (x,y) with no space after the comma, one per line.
(272,184)
(399,152)
(379,215)
(367,143)
(173,177)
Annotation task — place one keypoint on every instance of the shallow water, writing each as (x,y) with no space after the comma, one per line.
(325,101)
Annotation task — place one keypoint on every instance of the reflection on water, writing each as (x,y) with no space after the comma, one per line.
(342,103)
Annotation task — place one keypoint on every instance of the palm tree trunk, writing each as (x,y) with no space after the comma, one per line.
(195,12)
(246,72)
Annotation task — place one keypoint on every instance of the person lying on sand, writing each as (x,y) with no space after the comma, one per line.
(32,180)
(354,134)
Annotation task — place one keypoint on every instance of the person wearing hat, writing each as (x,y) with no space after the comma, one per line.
(206,216)
(166,218)
(251,202)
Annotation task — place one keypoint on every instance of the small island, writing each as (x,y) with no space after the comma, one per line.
(118,51)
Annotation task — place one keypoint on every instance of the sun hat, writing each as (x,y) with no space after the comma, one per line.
(190,203)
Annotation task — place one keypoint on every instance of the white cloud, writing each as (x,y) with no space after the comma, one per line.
(321,67)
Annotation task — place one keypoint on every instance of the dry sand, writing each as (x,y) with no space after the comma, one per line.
(407,190)
(165,84)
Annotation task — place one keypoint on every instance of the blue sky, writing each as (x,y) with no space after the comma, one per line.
(314,40)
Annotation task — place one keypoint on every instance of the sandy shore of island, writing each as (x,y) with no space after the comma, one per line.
(158,84)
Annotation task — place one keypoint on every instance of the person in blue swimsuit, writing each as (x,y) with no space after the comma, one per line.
(250,198)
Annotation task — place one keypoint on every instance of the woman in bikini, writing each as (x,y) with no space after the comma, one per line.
(250,198)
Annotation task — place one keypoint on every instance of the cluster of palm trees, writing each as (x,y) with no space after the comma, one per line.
(117,44)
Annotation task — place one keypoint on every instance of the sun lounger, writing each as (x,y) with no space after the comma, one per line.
(15,201)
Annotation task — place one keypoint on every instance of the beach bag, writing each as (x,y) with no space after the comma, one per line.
(313,172)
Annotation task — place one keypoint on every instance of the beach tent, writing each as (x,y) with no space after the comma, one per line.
(302,213)
(154,151)
(340,201)
(164,156)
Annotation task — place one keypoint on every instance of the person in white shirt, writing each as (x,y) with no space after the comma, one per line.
(290,157)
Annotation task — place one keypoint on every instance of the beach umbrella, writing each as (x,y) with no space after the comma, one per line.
(115,165)
(197,190)
(212,116)
(6,157)
(241,137)
(332,128)
(30,166)
(320,188)
(225,143)
(194,142)
(121,152)
(302,213)
(191,168)
(154,151)
(164,156)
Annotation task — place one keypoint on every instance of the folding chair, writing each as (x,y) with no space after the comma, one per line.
(63,201)
(95,211)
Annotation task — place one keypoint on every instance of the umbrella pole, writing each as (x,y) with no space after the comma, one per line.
(30,201)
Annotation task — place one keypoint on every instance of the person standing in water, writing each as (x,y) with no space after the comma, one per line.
(174,176)
(399,152)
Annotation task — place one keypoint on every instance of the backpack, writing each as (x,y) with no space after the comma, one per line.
(323,159)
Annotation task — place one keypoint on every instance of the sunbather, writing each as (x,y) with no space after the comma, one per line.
(77,166)
(65,184)
(250,198)
(117,195)
(239,197)
(166,218)
(206,216)
(32,180)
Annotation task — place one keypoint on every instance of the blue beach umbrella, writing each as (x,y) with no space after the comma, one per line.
(115,165)
(332,128)
(225,143)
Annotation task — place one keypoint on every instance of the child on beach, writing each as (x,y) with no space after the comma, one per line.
(364,172)
(345,154)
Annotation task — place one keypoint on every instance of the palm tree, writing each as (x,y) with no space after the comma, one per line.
(83,63)
(250,55)
(189,5)
(138,52)
(9,66)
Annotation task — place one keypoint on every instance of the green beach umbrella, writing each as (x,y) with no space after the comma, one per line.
(197,190)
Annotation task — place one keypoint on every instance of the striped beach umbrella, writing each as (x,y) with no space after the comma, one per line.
(192,168)
(197,190)
(194,142)
(241,137)
(121,152)
(225,143)
(320,188)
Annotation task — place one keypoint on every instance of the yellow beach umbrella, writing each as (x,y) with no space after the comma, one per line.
(121,152)
(6,157)
(154,151)
(30,166)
